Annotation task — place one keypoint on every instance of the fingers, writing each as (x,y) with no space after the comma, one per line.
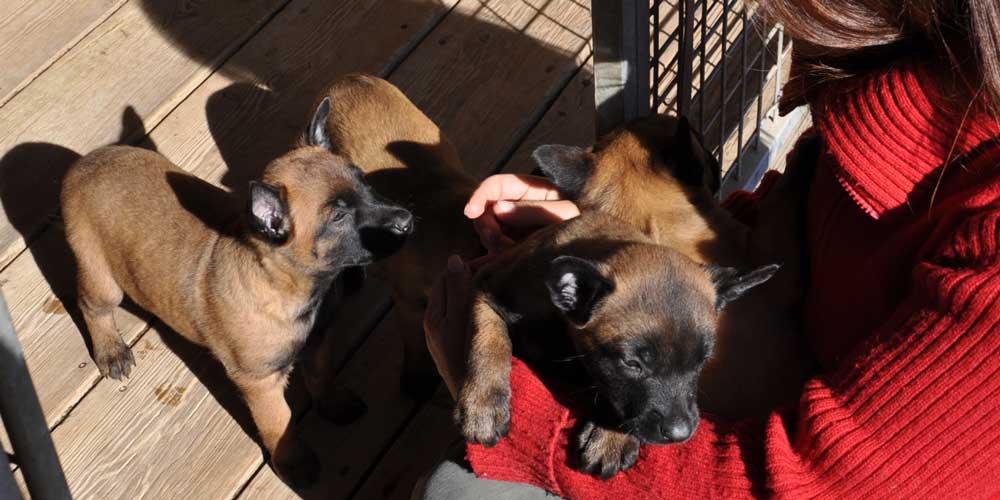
(508,187)
(490,233)
(534,213)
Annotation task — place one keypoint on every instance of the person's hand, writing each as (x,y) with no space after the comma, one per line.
(446,321)
(505,207)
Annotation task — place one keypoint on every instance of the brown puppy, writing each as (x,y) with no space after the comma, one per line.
(410,161)
(655,174)
(640,316)
(245,283)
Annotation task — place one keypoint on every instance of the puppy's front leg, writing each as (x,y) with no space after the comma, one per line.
(483,411)
(292,459)
(604,452)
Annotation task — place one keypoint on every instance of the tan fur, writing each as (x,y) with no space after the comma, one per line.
(409,160)
(758,362)
(130,228)
(640,269)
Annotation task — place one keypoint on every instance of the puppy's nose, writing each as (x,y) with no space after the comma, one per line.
(401,222)
(676,431)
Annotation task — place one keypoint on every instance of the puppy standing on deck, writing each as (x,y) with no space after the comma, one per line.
(246,286)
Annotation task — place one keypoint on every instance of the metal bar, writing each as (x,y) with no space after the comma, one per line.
(701,68)
(8,488)
(655,8)
(760,90)
(687,59)
(621,61)
(24,421)
(743,94)
(777,65)
(659,50)
(722,63)
(659,80)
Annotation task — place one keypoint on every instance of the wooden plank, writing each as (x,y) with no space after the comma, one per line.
(162,433)
(54,348)
(132,60)
(486,69)
(347,451)
(570,121)
(421,446)
(34,33)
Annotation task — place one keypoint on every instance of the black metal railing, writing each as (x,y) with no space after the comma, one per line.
(715,61)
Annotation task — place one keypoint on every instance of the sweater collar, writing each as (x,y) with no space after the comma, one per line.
(890,134)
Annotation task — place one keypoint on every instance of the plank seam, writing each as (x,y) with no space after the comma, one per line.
(58,55)
(407,50)
(386,449)
(537,117)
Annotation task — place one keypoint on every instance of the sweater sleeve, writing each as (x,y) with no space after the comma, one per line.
(914,411)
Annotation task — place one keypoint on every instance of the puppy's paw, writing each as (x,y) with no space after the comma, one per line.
(296,465)
(342,407)
(483,413)
(604,453)
(116,361)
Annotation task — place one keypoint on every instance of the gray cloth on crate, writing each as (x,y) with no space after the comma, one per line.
(453,479)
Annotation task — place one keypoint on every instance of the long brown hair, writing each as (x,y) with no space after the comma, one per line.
(831,34)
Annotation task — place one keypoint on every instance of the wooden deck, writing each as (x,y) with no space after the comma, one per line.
(219,87)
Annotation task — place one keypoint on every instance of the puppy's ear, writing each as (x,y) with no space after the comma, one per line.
(693,164)
(731,284)
(577,288)
(569,167)
(318,134)
(269,215)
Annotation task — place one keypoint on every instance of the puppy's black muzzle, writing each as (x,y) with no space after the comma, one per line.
(385,230)
(672,425)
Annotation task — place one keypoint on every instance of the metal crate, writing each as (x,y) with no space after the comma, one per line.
(715,61)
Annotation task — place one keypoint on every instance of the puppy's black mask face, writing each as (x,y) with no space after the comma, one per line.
(645,338)
(651,383)
(342,224)
(357,226)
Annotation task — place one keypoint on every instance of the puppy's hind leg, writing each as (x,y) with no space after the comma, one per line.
(98,296)
(291,458)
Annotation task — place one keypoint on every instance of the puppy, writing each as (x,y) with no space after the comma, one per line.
(641,317)
(410,161)
(245,283)
(655,174)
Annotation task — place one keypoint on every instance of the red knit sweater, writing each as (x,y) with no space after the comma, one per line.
(901,312)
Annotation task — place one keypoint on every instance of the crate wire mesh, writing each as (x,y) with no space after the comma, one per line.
(714,61)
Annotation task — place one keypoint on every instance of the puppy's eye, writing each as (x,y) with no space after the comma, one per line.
(340,209)
(632,366)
